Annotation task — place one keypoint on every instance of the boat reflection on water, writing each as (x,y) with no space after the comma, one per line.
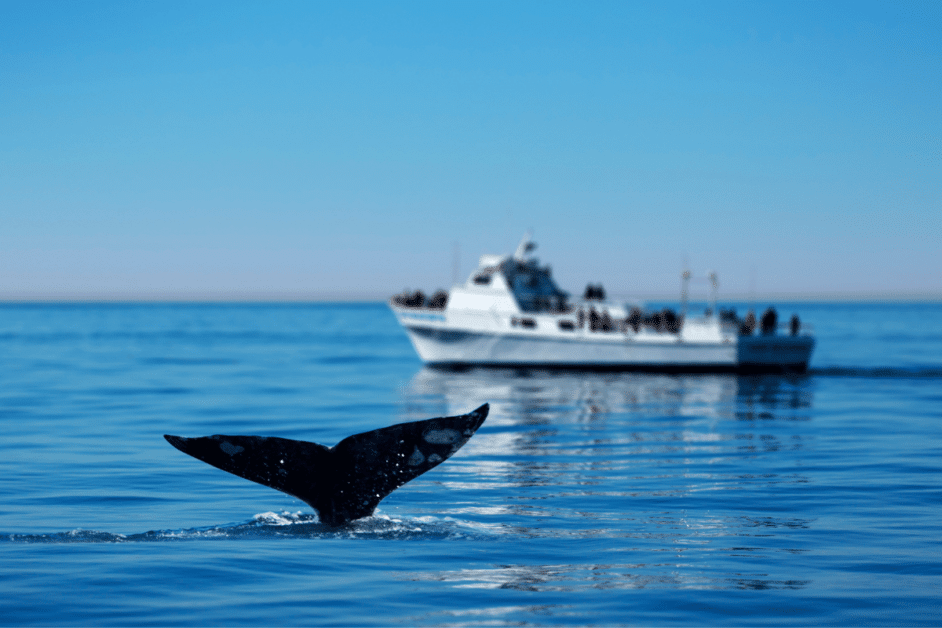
(531,396)
(686,474)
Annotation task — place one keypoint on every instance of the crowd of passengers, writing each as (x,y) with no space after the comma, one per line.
(665,320)
(668,320)
(437,301)
(768,324)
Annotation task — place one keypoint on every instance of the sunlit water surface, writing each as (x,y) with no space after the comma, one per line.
(589,499)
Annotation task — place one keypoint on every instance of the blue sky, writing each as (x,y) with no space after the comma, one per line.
(310,150)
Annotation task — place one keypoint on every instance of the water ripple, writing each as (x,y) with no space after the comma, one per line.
(285,524)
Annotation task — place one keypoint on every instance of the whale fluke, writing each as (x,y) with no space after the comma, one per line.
(343,482)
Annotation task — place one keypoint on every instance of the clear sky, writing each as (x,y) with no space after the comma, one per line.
(302,150)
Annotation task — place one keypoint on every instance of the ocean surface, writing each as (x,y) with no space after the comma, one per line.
(585,498)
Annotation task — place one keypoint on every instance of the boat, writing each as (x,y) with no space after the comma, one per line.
(511,313)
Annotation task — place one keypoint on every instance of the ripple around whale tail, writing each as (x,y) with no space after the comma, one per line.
(278,525)
(344,482)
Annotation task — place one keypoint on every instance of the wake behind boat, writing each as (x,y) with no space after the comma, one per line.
(510,312)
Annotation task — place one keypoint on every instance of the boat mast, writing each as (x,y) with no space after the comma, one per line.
(684,291)
(715,284)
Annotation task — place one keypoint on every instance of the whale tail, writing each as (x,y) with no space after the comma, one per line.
(343,482)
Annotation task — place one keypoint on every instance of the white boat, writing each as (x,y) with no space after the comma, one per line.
(510,313)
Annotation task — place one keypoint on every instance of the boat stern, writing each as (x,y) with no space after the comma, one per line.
(775,353)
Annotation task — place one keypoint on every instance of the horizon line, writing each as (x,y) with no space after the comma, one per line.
(342,297)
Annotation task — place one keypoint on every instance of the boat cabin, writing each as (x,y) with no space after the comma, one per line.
(531,285)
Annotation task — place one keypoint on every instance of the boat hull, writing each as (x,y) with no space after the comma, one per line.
(450,347)
(771,352)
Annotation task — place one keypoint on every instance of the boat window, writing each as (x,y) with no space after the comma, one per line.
(567,325)
(528,323)
(533,288)
(483,279)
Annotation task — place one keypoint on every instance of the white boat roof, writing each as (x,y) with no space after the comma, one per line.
(491,261)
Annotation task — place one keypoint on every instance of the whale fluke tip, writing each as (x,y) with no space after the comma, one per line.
(177,441)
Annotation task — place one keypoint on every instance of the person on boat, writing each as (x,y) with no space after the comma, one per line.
(605,321)
(769,322)
(594,292)
(413,299)
(634,319)
(749,324)
(671,322)
(659,321)
(438,300)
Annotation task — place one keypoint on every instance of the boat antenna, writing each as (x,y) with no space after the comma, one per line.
(684,290)
(714,286)
(526,245)
(752,286)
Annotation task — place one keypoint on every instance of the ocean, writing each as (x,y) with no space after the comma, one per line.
(584,499)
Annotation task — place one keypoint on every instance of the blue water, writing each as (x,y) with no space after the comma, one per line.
(585,499)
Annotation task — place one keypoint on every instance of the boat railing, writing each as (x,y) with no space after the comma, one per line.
(803,329)
(781,329)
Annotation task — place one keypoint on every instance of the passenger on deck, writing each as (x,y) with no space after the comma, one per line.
(606,321)
(769,322)
(634,319)
(671,321)
(414,299)
(594,293)
(795,325)
(658,321)
(749,324)
(438,300)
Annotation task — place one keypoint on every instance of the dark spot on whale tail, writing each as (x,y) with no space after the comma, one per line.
(343,482)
